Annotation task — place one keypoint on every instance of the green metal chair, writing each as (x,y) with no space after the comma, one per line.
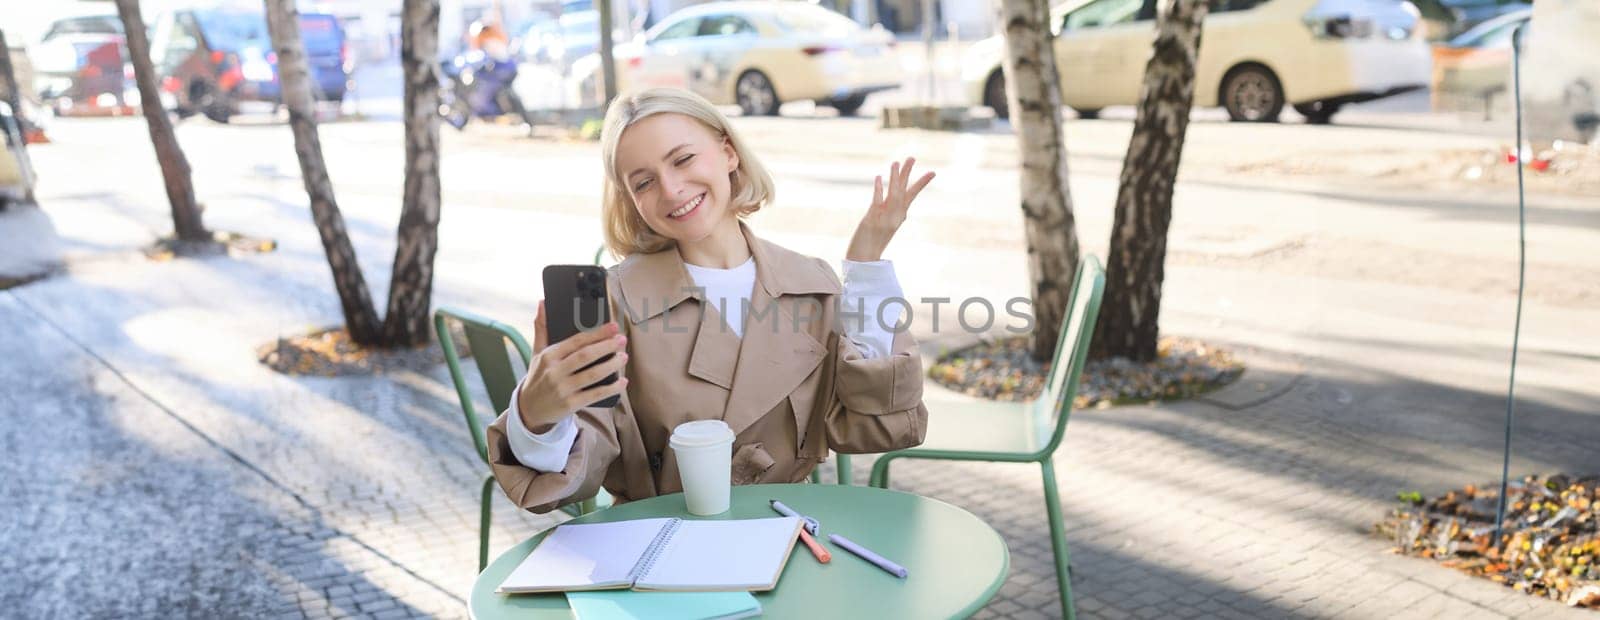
(1020,432)
(843,463)
(487,339)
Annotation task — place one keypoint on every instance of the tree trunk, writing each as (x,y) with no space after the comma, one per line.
(411,284)
(8,78)
(1135,269)
(360,317)
(608,61)
(186,221)
(8,81)
(1034,96)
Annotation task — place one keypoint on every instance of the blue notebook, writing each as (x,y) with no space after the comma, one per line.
(632,605)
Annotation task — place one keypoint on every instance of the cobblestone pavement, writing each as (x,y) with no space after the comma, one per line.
(157,470)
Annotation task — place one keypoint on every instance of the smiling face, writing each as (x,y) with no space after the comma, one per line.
(677,173)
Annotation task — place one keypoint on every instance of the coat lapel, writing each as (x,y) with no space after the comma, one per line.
(716,349)
(778,351)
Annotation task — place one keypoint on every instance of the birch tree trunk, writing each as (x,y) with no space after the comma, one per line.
(8,81)
(1136,267)
(608,62)
(360,317)
(1034,96)
(411,283)
(175,173)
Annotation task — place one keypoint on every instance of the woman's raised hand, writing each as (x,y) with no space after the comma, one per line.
(888,211)
(557,383)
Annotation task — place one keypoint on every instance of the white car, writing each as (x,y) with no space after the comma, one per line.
(760,54)
(1256,56)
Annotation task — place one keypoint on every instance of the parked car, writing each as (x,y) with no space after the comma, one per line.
(1256,56)
(16,175)
(211,60)
(760,55)
(1561,72)
(1474,68)
(1446,19)
(80,67)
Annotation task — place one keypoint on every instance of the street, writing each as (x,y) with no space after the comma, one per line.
(1367,282)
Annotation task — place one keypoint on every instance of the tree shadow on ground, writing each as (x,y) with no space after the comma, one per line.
(135,512)
(310,463)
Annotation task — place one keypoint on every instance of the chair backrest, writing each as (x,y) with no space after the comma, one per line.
(487,339)
(1072,351)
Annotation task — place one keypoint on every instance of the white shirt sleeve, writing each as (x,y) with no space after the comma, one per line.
(866,287)
(545,452)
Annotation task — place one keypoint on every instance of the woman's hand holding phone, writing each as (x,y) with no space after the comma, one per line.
(557,384)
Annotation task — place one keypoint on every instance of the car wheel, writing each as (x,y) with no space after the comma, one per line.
(204,98)
(848,106)
(219,112)
(1317,112)
(1088,113)
(1251,93)
(1583,106)
(994,95)
(755,94)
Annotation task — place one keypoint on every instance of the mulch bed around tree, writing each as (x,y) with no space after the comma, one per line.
(231,244)
(1004,370)
(15,281)
(1550,546)
(331,353)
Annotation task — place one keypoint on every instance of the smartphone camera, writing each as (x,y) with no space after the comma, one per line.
(591,284)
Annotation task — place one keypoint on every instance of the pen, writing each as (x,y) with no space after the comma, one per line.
(816,548)
(811,524)
(883,563)
(806,532)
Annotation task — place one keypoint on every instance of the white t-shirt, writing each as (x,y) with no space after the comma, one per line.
(866,286)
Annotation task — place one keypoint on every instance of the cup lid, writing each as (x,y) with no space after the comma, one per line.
(700,433)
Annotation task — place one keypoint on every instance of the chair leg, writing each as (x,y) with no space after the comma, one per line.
(816,475)
(880,472)
(843,469)
(1058,539)
(483,523)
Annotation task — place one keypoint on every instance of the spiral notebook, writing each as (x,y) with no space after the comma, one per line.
(659,554)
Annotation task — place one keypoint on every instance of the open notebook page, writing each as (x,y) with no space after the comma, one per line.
(746,554)
(589,556)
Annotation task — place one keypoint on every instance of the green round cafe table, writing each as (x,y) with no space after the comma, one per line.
(955,562)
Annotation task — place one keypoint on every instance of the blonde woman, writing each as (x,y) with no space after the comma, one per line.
(712,322)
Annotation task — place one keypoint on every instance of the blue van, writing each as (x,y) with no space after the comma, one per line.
(210,60)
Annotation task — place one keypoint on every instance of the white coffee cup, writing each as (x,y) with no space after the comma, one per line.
(705,464)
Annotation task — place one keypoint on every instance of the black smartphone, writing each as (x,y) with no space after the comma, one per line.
(575,301)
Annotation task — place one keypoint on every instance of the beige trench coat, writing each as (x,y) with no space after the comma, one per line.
(791,388)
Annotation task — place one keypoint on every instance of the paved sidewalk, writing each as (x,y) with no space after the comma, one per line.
(159,470)
(221,484)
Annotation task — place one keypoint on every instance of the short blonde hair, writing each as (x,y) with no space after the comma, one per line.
(625,230)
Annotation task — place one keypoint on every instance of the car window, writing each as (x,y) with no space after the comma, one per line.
(100,24)
(812,19)
(1104,13)
(233,30)
(1224,6)
(182,40)
(681,30)
(1491,36)
(723,25)
(320,33)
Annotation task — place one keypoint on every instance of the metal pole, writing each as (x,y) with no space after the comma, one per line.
(927,48)
(1522,264)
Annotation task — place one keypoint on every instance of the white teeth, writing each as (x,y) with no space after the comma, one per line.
(688,207)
